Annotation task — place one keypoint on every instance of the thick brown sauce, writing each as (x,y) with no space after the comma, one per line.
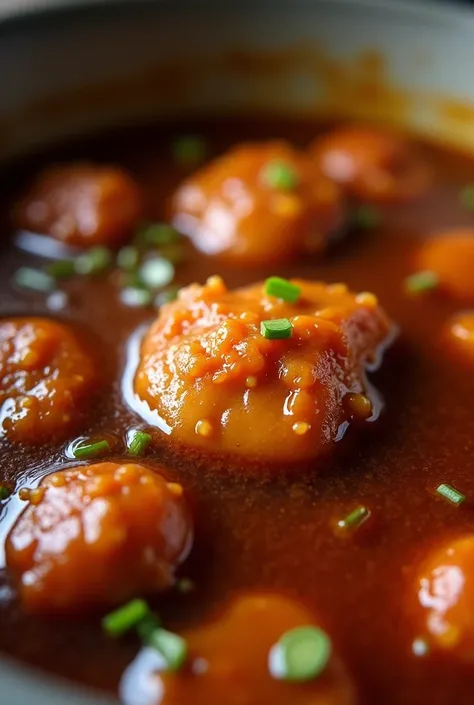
(275,532)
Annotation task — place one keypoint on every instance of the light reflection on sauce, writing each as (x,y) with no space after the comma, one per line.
(131,398)
(140,683)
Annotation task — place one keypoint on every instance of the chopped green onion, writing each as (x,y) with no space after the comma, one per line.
(421,281)
(276,329)
(84,451)
(62,269)
(172,647)
(157,235)
(279,175)
(128,258)
(125,618)
(95,261)
(355,519)
(167,295)
(5,492)
(282,289)
(136,297)
(147,626)
(467,197)
(451,494)
(34,279)
(189,150)
(367,217)
(174,253)
(157,272)
(300,655)
(138,442)
(185,586)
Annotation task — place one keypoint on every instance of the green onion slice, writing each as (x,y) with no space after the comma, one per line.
(185,586)
(128,258)
(355,519)
(279,175)
(62,269)
(451,494)
(34,279)
(282,289)
(5,492)
(95,261)
(125,618)
(276,329)
(84,451)
(157,272)
(421,281)
(157,235)
(136,297)
(172,647)
(138,442)
(467,197)
(189,150)
(300,655)
(367,217)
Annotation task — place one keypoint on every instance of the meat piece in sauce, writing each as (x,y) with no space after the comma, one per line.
(83,205)
(459,335)
(230,661)
(259,203)
(217,383)
(98,535)
(47,380)
(372,164)
(446,595)
(451,257)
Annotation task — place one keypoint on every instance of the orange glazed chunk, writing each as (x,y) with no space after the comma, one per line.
(373,164)
(230,661)
(83,205)
(446,595)
(459,334)
(46,380)
(451,257)
(214,381)
(97,535)
(258,203)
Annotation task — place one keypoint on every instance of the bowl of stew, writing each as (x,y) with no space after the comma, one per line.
(236,353)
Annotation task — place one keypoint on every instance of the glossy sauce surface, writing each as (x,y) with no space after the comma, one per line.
(275,530)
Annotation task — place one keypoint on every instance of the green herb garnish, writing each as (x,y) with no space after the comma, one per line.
(421,281)
(156,273)
(301,655)
(125,618)
(355,519)
(282,289)
(34,279)
(5,492)
(279,175)
(189,150)
(95,261)
(276,329)
(138,442)
(84,451)
(451,494)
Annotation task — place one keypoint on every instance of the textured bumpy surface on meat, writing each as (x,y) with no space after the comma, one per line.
(82,204)
(230,209)
(218,383)
(47,379)
(98,535)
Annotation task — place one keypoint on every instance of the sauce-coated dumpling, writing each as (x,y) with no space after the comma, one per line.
(446,594)
(83,205)
(373,164)
(450,256)
(235,653)
(258,203)
(218,383)
(47,379)
(98,535)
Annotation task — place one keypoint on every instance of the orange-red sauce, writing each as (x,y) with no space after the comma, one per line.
(276,531)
